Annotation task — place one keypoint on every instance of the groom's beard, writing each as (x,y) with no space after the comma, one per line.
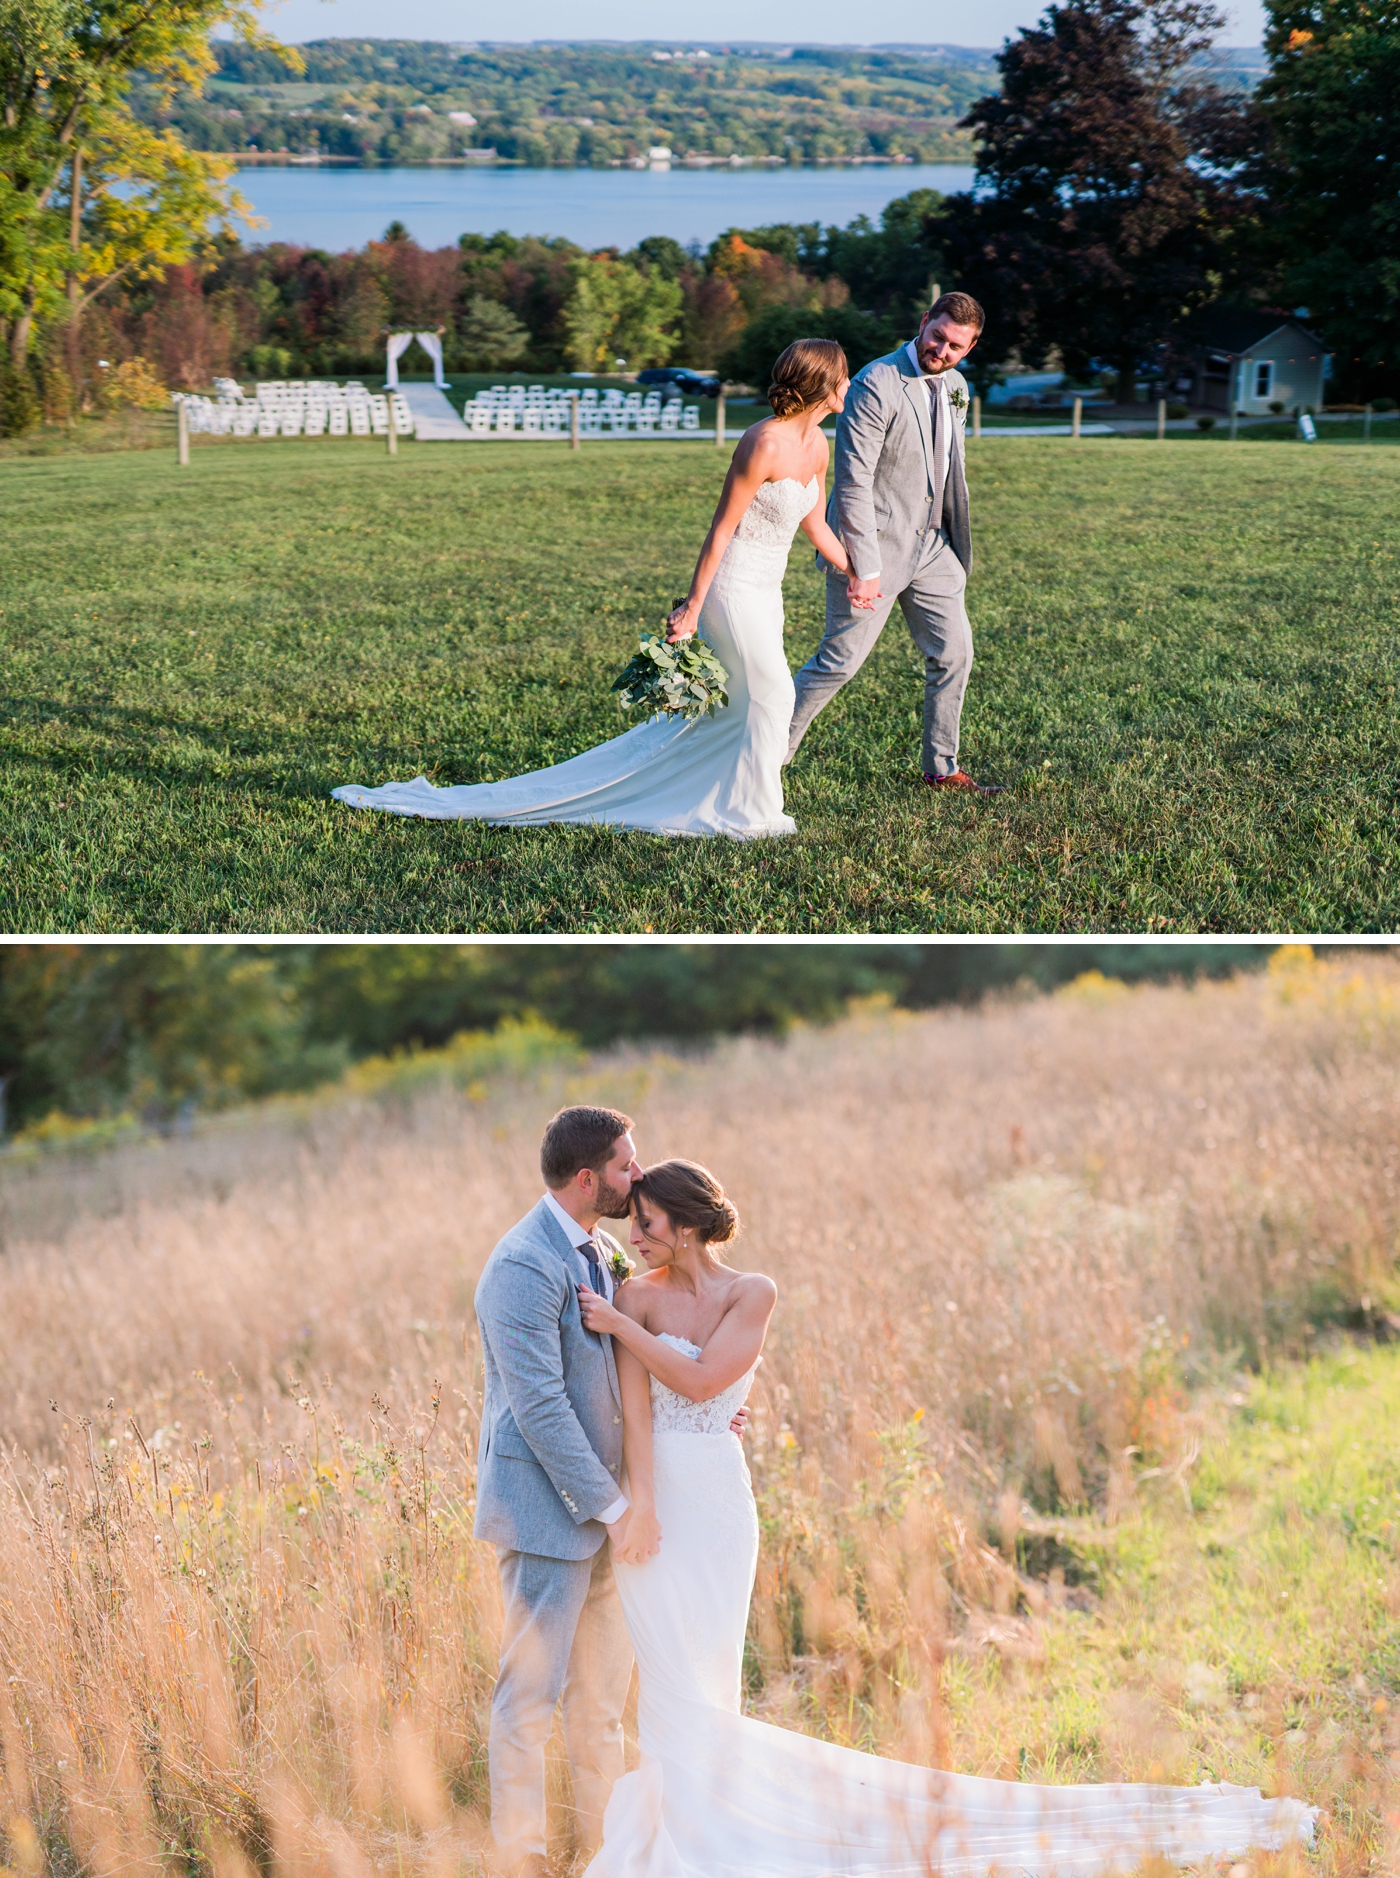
(614,1202)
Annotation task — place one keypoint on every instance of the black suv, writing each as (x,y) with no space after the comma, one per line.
(677,382)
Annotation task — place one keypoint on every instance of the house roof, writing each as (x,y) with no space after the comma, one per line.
(1238,330)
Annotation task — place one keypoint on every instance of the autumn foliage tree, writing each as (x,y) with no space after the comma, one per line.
(1102,216)
(89,194)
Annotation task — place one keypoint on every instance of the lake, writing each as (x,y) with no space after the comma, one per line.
(338,208)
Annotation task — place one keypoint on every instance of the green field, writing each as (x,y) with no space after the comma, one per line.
(1186,677)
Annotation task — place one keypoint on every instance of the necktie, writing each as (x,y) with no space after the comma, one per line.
(593,1258)
(937,419)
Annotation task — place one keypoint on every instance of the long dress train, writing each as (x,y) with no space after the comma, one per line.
(719,775)
(719,1795)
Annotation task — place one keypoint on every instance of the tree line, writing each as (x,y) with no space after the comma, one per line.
(396,101)
(1121,190)
(91,1032)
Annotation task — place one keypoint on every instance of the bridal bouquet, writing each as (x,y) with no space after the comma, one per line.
(681,680)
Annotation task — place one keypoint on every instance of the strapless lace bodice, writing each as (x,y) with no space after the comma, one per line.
(672,1413)
(759,549)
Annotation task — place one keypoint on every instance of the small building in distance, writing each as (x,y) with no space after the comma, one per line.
(1253,360)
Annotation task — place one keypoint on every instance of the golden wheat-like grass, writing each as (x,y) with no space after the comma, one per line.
(243,1624)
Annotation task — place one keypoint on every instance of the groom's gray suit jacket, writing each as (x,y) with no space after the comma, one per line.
(884,498)
(551,1423)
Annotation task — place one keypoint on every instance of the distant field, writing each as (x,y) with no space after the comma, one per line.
(1045,1492)
(1186,678)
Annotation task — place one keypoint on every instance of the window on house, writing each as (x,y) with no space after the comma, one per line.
(1263,378)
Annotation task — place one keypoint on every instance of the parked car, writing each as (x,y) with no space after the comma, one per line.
(677,382)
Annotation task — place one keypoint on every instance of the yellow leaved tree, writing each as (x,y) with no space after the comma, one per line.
(90,194)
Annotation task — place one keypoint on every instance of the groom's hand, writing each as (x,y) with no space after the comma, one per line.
(864,593)
(636,1537)
(740,1422)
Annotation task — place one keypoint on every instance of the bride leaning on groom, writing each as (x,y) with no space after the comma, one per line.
(896,529)
(612,1482)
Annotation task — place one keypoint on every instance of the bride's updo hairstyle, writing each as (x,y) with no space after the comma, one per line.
(810,370)
(689,1195)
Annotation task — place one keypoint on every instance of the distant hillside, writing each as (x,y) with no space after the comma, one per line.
(409,101)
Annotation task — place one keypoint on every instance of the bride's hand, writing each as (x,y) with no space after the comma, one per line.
(598,1315)
(641,1539)
(682,622)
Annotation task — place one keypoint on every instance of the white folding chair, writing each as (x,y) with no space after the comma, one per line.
(402,416)
(505,418)
(268,420)
(530,420)
(671,416)
(690,417)
(315,420)
(478,417)
(379,416)
(359,419)
(292,415)
(339,424)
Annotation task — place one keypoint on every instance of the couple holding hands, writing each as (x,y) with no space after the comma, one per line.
(895,529)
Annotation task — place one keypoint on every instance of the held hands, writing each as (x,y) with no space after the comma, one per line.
(636,1537)
(863,594)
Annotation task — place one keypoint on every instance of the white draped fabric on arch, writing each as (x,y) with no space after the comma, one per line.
(399,344)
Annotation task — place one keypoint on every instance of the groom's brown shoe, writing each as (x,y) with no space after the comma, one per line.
(959,779)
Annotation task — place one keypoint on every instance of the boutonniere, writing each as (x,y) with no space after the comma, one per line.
(957,397)
(619,1264)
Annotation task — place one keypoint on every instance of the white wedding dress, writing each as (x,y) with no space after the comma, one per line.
(718,1795)
(719,775)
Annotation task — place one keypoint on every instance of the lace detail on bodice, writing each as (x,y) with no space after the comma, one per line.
(759,548)
(671,1412)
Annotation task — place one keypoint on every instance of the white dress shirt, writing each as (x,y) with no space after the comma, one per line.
(580,1236)
(937,393)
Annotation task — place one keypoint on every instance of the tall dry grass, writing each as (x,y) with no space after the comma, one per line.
(243,1623)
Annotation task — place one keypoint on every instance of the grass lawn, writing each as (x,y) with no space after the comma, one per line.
(1247,1622)
(1185,675)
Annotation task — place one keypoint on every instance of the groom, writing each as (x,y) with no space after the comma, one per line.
(548,1493)
(900,506)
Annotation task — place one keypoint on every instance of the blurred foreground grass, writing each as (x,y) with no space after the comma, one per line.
(1044,1492)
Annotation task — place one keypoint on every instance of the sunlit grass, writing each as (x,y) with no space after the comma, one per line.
(1185,677)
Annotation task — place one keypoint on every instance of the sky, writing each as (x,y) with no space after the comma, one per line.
(810,22)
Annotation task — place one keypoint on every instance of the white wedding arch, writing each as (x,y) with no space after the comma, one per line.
(399,344)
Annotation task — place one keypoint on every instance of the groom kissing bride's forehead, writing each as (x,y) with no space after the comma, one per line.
(612,1484)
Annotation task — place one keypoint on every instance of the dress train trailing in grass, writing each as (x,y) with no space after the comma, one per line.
(721,1795)
(719,775)
(715,775)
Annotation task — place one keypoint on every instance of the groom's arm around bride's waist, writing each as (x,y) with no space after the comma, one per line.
(520,1305)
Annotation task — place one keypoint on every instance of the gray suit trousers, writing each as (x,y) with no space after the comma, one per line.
(564,1635)
(934,609)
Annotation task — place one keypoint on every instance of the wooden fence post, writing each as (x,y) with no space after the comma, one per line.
(1078,414)
(976,417)
(1366,426)
(573,421)
(392,444)
(182,434)
(1161,419)
(719,419)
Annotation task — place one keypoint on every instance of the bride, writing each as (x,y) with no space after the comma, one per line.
(717,1794)
(719,775)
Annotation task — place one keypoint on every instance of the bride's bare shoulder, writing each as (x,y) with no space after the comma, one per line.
(754,1290)
(633,1298)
